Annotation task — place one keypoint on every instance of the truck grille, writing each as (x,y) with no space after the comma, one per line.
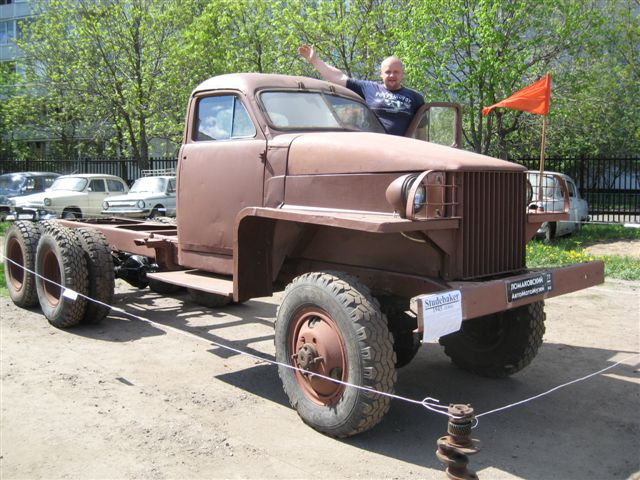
(493,223)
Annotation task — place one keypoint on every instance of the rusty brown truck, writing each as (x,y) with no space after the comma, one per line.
(380,243)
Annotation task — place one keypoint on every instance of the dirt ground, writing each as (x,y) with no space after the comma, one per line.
(630,248)
(132,399)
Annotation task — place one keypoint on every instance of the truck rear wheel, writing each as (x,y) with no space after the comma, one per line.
(101,273)
(329,324)
(60,258)
(498,345)
(21,243)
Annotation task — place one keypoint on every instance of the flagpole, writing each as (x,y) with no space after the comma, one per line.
(540,180)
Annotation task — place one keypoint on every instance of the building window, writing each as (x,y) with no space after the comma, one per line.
(7,32)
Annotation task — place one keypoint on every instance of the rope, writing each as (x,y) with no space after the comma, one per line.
(430,403)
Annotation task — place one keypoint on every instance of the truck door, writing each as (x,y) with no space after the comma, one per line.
(438,122)
(221,172)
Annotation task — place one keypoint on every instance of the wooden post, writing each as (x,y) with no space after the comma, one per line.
(540,180)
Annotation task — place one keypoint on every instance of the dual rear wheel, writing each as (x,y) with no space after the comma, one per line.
(60,269)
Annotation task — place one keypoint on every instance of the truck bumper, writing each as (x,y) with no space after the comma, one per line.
(486,297)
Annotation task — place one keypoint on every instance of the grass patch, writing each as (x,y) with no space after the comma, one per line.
(572,249)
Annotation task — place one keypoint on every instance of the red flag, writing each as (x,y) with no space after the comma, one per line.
(535,98)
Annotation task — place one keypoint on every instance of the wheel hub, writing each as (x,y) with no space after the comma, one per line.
(307,357)
(317,346)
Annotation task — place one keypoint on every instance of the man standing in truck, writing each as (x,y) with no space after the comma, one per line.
(393,104)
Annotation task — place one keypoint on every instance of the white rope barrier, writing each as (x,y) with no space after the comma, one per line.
(430,403)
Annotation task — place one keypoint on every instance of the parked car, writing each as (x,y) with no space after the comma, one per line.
(22,183)
(151,197)
(552,201)
(70,196)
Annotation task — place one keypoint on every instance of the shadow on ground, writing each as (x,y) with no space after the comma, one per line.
(586,430)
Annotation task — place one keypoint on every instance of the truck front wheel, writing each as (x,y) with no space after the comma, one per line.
(498,345)
(329,324)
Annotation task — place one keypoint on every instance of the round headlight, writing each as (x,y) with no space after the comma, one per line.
(105,205)
(140,204)
(398,193)
(47,202)
(419,198)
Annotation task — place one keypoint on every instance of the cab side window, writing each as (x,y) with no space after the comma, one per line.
(222,117)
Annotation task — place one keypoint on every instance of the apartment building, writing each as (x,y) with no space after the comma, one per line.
(13,14)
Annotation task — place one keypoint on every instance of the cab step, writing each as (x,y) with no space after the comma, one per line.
(198,280)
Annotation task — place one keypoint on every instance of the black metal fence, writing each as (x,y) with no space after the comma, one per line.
(126,168)
(611,186)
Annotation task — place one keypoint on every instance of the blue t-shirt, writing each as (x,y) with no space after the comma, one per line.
(394,108)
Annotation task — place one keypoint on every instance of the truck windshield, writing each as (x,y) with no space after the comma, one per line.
(317,111)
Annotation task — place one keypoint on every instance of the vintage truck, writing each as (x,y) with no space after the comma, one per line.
(381,243)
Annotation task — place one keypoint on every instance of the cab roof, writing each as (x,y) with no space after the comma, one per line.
(248,83)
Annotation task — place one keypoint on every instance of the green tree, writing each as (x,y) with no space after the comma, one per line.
(104,64)
(477,52)
(596,110)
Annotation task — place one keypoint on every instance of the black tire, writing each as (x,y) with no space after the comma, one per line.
(101,272)
(20,246)
(155,212)
(349,332)
(71,214)
(163,288)
(60,258)
(549,229)
(498,345)
(209,300)
(406,343)
(44,225)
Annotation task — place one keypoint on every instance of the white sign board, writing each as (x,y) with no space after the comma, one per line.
(441,314)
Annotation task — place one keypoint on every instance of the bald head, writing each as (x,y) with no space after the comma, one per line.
(392,72)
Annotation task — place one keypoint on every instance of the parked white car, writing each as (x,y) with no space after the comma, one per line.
(553,201)
(70,197)
(148,197)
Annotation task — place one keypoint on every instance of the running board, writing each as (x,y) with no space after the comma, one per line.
(198,280)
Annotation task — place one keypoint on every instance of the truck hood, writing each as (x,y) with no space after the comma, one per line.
(360,152)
